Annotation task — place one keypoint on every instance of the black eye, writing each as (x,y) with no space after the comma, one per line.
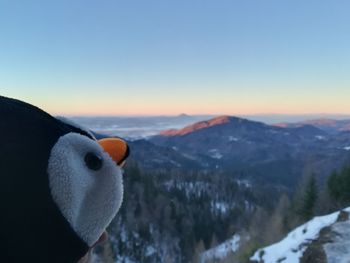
(93,161)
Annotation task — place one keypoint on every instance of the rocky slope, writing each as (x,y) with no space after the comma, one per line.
(324,239)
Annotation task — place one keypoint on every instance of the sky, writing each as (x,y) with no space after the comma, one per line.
(166,57)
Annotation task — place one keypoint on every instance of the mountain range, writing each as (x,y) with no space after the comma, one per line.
(265,153)
(328,125)
(200,192)
(280,154)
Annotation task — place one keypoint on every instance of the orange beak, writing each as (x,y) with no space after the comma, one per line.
(116,148)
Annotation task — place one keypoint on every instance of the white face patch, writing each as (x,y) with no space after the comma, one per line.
(88,199)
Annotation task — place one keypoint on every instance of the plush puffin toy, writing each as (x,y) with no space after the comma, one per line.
(60,187)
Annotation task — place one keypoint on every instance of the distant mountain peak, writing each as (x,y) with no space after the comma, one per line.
(183,115)
(220,120)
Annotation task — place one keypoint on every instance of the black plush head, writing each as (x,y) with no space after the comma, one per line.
(59,188)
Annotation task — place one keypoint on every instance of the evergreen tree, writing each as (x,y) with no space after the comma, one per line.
(308,204)
(333,184)
(339,186)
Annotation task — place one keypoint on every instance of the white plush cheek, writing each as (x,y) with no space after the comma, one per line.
(88,199)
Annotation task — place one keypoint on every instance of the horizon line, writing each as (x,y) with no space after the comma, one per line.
(347,115)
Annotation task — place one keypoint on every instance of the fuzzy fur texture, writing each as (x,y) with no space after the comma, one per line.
(88,199)
(75,125)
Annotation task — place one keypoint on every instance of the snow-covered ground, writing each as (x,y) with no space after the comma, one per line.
(222,207)
(292,247)
(221,251)
(245,183)
(320,137)
(233,139)
(190,188)
(215,153)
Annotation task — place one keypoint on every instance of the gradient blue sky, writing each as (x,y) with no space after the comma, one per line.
(171,56)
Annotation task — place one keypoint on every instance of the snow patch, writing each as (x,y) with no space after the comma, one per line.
(214,153)
(347,148)
(222,207)
(123,235)
(232,139)
(188,156)
(150,250)
(292,247)
(125,259)
(320,137)
(221,251)
(244,183)
(194,189)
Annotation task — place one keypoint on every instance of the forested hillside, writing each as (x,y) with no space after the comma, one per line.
(218,190)
(167,215)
